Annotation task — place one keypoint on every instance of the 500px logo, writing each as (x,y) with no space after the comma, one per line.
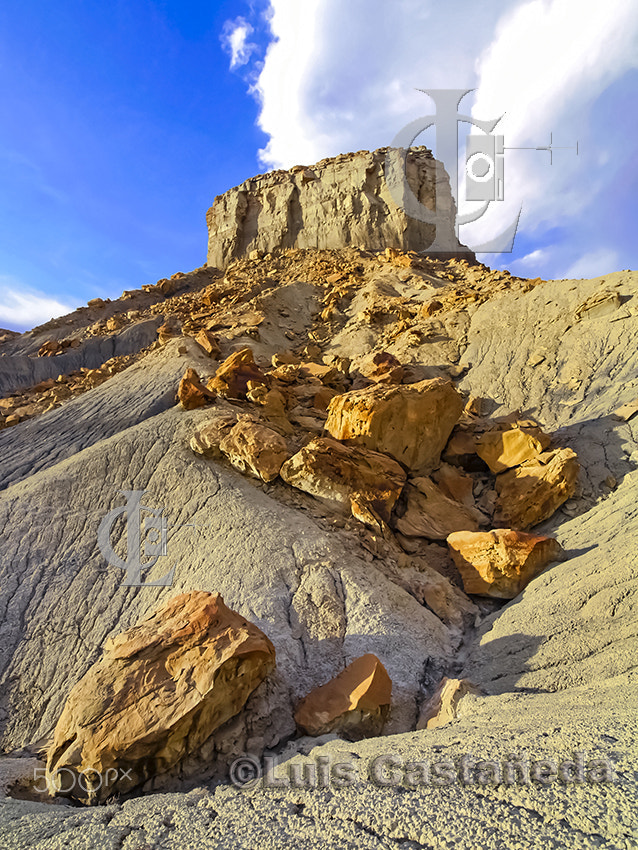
(87,780)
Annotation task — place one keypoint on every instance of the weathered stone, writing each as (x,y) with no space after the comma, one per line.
(282,209)
(345,474)
(500,563)
(455,484)
(383,367)
(209,343)
(355,703)
(232,377)
(159,691)
(419,576)
(443,705)
(503,450)
(206,439)
(411,423)
(431,514)
(532,492)
(598,305)
(192,393)
(626,411)
(171,328)
(255,449)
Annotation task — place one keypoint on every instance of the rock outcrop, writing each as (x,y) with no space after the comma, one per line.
(412,423)
(534,490)
(336,203)
(158,693)
(366,482)
(501,562)
(355,703)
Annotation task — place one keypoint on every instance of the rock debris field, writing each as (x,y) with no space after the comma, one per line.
(328,543)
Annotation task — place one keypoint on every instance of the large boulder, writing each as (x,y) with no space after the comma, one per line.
(368,483)
(412,422)
(355,703)
(255,449)
(158,692)
(429,513)
(532,492)
(235,373)
(501,562)
(504,449)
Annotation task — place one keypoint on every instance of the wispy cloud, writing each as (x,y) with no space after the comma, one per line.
(22,308)
(594,264)
(234,38)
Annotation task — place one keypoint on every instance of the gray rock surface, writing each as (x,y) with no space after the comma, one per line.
(18,371)
(558,662)
(338,202)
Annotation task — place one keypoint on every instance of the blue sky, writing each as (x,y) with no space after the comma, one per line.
(121,121)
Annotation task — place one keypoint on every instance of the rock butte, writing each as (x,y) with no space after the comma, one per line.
(361,400)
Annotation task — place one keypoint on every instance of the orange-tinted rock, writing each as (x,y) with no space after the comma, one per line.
(232,377)
(443,705)
(366,482)
(171,328)
(384,367)
(255,449)
(209,343)
(206,439)
(192,393)
(532,492)
(412,423)
(157,694)
(455,484)
(429,513)
(500,563)
(503,450)
(355,703)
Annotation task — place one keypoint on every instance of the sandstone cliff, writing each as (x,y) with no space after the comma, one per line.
(339,202)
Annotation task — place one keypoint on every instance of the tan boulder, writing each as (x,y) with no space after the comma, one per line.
(500,563)
(157,694)
(455,484)
(232,377)
(355,703)
(503,450)
(171,328)
(192,393)
(383,367)
(357,478)
(443,705)
(206,439)
(532,492)
(255,449)
(412,423)
(209,343)
(429,513)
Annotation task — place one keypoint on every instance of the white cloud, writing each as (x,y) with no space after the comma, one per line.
(594,264)
(234,38)
(340,77)
(22,308)
(547,64)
